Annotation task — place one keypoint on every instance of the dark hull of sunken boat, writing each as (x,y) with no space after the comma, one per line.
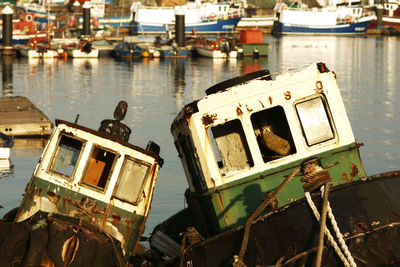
(367,214)
(56,240)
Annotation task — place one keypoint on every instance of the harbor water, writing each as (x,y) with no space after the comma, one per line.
(156,90)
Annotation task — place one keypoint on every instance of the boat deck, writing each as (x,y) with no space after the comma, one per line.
(20,117)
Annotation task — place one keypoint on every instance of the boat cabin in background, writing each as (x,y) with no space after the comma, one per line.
(96,176)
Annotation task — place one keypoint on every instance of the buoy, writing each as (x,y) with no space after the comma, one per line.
(145,54)
(156,54)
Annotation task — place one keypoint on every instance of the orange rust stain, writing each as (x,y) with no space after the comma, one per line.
(220,202)
(115,218)
(270,100)
(209,119)
(47,263)
(354,170)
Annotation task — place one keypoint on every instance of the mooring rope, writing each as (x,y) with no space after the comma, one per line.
(339,234)
(255,214)
(327,232)
(322,225)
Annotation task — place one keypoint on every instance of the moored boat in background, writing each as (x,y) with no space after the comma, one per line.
(82,50)
(390,17)
(202,18)
(336,20)
(6,143)
(221,48)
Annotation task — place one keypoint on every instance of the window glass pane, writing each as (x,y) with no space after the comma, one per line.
(98,171)
(273,133)
(132,177)
(230,146)
(67,155)
(315,121)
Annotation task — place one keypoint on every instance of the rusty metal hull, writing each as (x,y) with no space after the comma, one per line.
(367,213)
(55,240)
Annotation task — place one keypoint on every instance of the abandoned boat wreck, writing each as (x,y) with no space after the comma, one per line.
(87,201)
(275,178)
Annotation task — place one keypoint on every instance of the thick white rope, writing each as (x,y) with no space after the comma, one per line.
(339,234)
(327,232)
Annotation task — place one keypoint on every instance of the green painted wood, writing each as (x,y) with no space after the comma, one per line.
(233,202)
(72,203)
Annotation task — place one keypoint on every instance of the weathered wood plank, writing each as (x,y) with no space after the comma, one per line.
(20,117)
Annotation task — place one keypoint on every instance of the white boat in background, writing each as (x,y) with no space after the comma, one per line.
(38,52)
(221,48)
(209,52)
(83,50)
(335,20)
(6,143)
(200,17)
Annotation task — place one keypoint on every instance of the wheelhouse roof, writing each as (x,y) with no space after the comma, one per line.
(111,138)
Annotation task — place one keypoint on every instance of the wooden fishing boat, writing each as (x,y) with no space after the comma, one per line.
(88,199)
(276,179)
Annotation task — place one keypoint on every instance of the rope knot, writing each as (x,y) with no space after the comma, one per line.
(314,175)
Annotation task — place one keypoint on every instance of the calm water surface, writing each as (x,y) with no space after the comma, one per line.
(367,73)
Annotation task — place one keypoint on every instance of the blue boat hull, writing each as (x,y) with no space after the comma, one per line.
(207,27)
(345,29)
(126,50)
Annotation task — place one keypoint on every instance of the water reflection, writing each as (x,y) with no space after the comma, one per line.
(179,79)
(7,64)
(250,64)
(6,169)
(30,142)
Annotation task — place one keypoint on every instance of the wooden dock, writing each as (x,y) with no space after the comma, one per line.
(20,117)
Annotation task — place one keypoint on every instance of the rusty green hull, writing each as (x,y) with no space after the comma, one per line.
(102,215)
(230,205)
(367,213)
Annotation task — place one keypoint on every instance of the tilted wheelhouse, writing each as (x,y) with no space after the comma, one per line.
(240,142)
(96,177)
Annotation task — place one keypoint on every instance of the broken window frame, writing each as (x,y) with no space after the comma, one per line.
(244,144)
(110,172)
(139,195)
(328,117)
(56,153)
(281,135)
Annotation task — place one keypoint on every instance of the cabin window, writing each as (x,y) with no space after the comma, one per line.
(66,156)
(314,120)
(230,146)
(131,180)
(273,133)
(99,168)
